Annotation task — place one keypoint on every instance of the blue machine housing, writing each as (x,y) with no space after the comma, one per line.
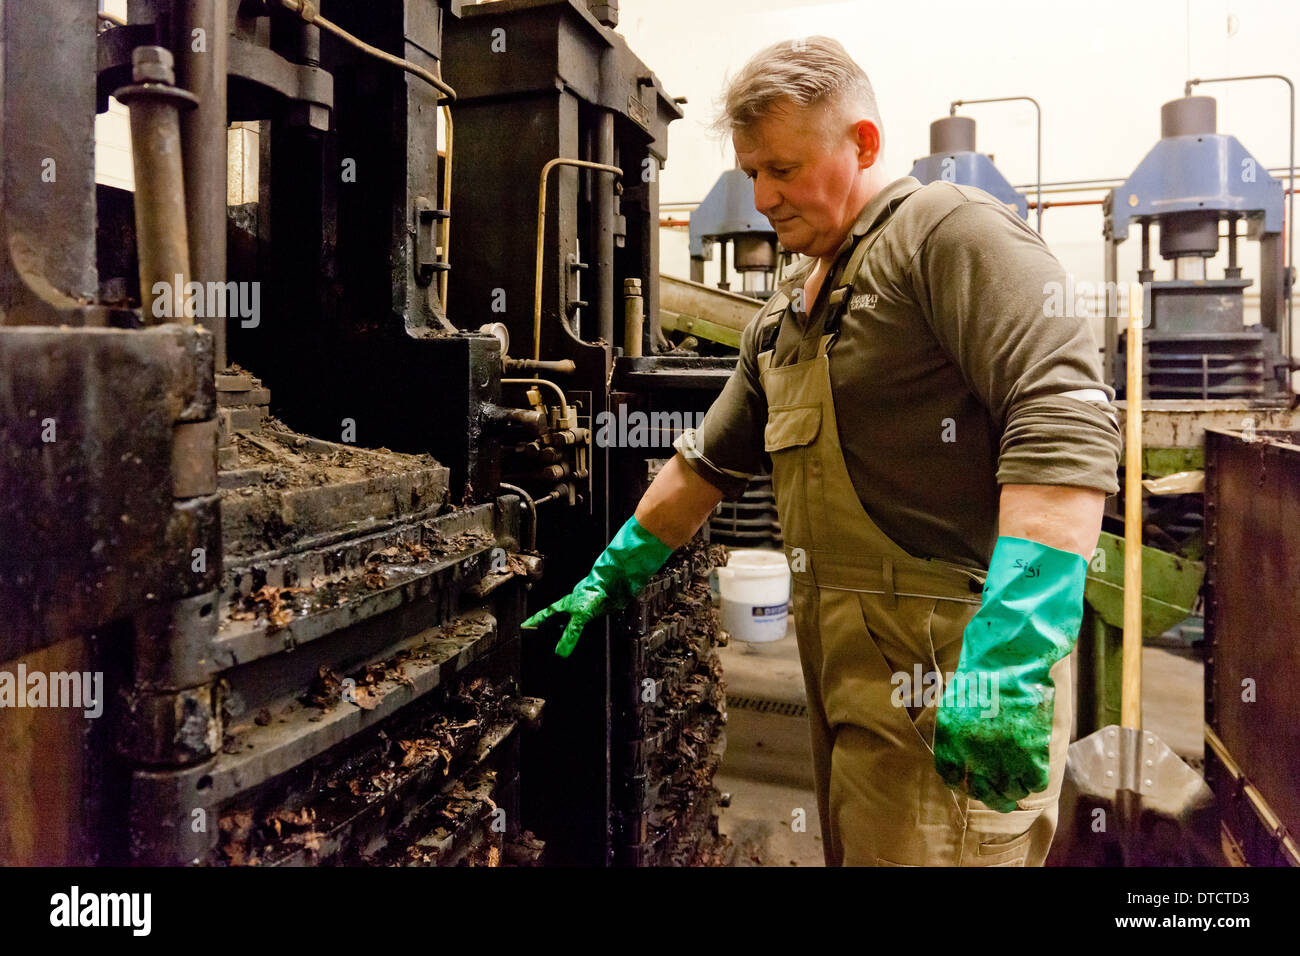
(727,210)
(1197,345)
(970,169)
(1199,173)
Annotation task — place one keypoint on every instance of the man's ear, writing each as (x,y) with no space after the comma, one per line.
(867,135)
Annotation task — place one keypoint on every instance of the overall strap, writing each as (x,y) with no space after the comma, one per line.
(820,334)
(776,305)
(839,297)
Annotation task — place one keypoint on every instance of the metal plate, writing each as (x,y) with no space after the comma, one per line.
(1252,524)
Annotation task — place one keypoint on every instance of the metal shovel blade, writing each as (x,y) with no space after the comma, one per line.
(1129,800)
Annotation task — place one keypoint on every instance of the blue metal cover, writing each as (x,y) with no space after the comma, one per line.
(970,169)
(1210,171)
(727,209)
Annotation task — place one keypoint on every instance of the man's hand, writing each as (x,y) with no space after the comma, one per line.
(999,751)
(669,513)
(582,605)
(622,569)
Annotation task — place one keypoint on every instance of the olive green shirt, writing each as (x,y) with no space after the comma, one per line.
(948,374)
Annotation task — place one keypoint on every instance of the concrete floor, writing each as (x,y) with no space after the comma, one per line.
(767,768)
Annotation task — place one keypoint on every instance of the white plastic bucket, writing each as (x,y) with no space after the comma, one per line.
(755,590)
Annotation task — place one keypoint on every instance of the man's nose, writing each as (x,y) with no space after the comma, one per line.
(767,198)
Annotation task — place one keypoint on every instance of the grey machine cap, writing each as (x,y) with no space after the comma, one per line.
(1188,116)
(952,134)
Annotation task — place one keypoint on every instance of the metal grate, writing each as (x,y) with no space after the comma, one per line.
(783,708)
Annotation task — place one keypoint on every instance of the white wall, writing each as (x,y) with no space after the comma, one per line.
(1101,69)
(113,131)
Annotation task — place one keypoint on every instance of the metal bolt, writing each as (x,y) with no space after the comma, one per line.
(152,64)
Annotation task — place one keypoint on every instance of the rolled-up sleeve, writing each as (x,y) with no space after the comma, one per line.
(984,281)
(727,447)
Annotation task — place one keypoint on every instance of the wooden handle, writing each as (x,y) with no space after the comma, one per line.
(1131,673)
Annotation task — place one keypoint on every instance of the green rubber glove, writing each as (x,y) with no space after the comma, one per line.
(994,724)
(620,572)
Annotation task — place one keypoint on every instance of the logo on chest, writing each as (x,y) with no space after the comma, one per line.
(864,300)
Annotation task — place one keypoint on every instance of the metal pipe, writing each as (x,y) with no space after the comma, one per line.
(160,214)
(204,146)
(554,495)
(564,404)
(541,236)
(532,510)
(1073,202)
(309,12)
(604,284)
(1290,212)
(952,111)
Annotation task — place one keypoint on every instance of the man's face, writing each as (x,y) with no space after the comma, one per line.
(806,186)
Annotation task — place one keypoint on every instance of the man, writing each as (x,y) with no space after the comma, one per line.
(941,450)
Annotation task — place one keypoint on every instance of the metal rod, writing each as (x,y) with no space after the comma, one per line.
(952,111)
(605,286)
(534,365)
(204,146)
(160,214)
(1290,213)
(446,201)
(1233,271)
(633,318)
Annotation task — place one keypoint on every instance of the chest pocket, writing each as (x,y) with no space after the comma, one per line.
(789,426)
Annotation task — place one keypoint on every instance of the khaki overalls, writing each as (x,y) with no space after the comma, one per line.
(865,610)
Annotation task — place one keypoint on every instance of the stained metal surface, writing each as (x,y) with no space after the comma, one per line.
(47,252)
(1252,518)
(300,575)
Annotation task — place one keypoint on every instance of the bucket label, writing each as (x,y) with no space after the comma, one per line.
(765,610)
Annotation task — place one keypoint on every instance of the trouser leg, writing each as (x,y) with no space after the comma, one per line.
(887,804)
(821,737)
